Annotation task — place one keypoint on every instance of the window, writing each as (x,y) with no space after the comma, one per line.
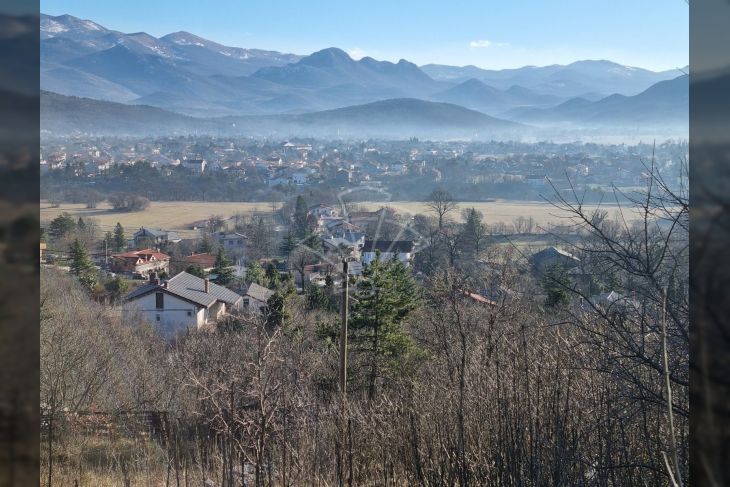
(157,317)
(159,300)
(190,313)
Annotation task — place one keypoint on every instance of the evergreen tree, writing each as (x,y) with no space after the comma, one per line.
(195,270)
(277,309)
(386,296)
(473,235)
(81,265)
(61,226)
(116,288)
(555,282)
(119,239)
(272,276)
(224,272)
(255,273)
(300,217)
(288,245)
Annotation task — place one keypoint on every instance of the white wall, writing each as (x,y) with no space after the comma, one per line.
(177,315)
(368,257)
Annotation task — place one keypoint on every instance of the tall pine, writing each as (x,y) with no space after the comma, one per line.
(223,270)
(119,239)
(81,265)
(385,297)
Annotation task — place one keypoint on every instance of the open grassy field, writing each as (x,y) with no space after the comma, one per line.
(182,215)
(169,215)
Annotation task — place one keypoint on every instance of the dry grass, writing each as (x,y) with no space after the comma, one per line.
(497,211)
(181,215)
(170,215)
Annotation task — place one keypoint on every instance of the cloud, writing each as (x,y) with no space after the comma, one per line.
(356,53)
(483,43)
(480,43)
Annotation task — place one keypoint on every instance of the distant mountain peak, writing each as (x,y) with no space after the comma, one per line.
(327,57)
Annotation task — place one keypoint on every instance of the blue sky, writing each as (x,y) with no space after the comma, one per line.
(509,33)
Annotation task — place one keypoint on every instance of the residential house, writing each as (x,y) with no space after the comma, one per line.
(195,165)
(185,302)
(205,261)
(141,262)
(322,211)
(551,256)
(147,236)
(256,298)
(233,243)
(388,250)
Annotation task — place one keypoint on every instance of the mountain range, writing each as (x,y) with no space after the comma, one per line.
(195,77)
(399,118)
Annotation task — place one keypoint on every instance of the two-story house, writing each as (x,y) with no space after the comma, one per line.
(184,302)
(154,237)
(388,250)
(141,262)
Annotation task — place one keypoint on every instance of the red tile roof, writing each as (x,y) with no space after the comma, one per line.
(145,254)
(203,260)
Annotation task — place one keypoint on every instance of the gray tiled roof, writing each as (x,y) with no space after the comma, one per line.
(388,246)
(259,293)
(191,288)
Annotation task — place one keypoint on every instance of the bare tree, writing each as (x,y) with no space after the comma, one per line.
(442,203)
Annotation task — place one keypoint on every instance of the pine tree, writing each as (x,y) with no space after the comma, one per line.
(255,273)
(224,272)
(386,296)
(116,288)
(61,226)
(555,282)
(288,245)
(81,265)
(473,235)
(272,276)
(195,270)
(300,216)
(119,239)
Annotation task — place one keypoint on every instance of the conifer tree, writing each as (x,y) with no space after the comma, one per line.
(81,265)
(385,297)
(288,244)
(119,239)
(255,273)
(223,271)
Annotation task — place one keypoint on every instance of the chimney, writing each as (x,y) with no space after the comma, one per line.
(207,285)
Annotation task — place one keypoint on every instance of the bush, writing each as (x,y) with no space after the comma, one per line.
(128,202)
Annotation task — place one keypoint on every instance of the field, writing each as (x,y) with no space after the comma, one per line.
(169,215)
(181,216)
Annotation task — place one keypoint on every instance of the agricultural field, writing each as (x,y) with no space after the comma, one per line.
(182,216)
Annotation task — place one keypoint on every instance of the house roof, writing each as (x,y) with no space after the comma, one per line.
(145,254)
(203,260)
(190,288)
(259,293)
(388,246)
(230,236)
(553,252)
(157,233)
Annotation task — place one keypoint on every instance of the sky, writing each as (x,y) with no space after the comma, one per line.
(652,34)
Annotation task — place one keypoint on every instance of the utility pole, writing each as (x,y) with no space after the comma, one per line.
(343,450)
(343,330)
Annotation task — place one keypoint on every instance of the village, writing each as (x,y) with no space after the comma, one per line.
(205,168)
(182,283)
